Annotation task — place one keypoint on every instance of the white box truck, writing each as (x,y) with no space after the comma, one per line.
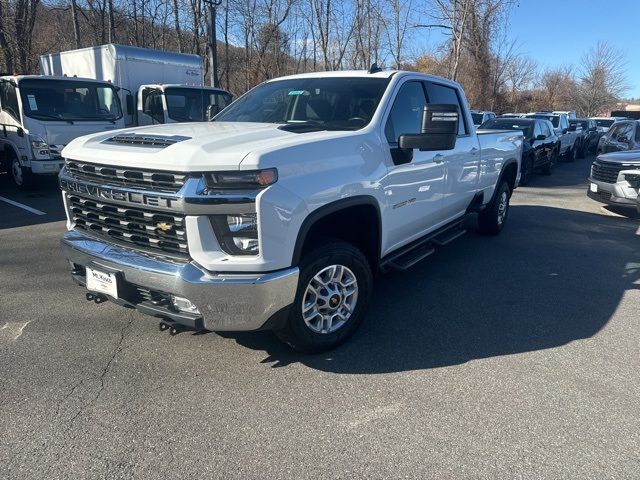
(155,86)
(39,115)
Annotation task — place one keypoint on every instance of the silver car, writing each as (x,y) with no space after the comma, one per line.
(615,178)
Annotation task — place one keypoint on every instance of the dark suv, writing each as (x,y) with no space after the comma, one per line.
(541,146)
(622,136)
(588,131)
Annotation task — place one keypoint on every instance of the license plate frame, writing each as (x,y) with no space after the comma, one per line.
(100,281)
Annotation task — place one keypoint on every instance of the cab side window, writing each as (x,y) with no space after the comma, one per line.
(443,94)
(624,133)
(547,128)
(9,99)
(152,104)
(537,129)
(406,113)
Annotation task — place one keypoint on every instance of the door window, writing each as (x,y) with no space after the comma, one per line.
(9,99)
(537,130)
(625,133)
(152,104)
(406,114)
(442,94)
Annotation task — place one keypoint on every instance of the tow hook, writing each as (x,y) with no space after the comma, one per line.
(174,329)
(96,297)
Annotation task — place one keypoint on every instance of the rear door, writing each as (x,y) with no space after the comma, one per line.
(462,164)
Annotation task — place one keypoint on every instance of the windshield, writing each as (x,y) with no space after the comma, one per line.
(477,118)
(604,123)
(69,100)
(329,103)
(554,119)
(190,104)
(525,127)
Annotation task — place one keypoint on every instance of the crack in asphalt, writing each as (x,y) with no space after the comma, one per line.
(118,348)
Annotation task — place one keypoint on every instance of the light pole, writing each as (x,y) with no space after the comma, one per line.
(213,43)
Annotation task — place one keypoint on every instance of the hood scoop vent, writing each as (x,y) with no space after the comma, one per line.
(152,141)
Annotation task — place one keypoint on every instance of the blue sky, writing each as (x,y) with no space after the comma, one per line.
(584,23)
(558,32)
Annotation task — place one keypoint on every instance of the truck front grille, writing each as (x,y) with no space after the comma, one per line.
(153,231)
(605,171)
(127,177)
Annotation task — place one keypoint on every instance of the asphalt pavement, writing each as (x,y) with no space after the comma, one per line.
(504,357)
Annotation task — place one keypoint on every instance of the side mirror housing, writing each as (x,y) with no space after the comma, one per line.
(212,111)
(564,130)
(572,128)
(439,129)
(541,137)
(593,129)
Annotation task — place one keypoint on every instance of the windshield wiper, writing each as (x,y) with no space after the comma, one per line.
(305,127)
(52,117)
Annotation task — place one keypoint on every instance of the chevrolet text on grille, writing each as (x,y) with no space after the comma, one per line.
(96,191)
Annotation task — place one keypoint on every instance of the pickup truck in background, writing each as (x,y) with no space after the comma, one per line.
(278,213)
(564,131)
(480,117)
(623,135)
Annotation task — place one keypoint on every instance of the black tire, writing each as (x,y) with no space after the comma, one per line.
(22,177)
(549,167)
(491,220)
(581,150)
(527,170)
(570,154)
(296,332)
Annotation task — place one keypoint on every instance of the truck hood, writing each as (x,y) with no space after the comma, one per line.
(629,156)
(197,147)
(61,133)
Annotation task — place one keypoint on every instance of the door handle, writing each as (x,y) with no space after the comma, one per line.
(438,158)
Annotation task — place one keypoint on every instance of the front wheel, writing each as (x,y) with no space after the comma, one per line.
(581,150)
(334,287)
(527,171)
(22,176)
(491,220)
(570,154)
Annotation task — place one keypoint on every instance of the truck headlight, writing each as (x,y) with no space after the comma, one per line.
(39,146)
(241,179)
(238,233)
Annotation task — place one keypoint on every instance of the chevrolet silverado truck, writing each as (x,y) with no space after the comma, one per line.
(278,213)
(615,179)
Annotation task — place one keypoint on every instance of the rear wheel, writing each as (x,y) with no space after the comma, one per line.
(527,170)
(22,176)
(491,220)
(334,287)
(548,168)
(581,149)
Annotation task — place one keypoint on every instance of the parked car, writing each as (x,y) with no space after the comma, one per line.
(605,123)
(480,117)
(615,178)
(571,115)
(563,130)
(277,214)
(540,147)
(623,135)
(589,134)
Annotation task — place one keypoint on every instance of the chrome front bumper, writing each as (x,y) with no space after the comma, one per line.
(226,302)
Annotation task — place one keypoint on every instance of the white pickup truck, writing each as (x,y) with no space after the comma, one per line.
(277,214)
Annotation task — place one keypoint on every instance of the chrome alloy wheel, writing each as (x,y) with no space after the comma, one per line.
(330,299)
(503,205)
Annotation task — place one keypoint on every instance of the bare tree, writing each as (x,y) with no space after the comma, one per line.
(602,78)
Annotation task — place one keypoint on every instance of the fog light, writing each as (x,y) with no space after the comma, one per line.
(184,305)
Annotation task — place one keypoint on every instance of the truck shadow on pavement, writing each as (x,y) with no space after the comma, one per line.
(552,277)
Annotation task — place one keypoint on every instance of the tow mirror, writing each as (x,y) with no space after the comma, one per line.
(212,111)
(439,129)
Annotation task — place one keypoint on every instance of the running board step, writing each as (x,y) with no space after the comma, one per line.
(448,236)
(410,258)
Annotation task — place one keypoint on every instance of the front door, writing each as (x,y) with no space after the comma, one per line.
(413,190)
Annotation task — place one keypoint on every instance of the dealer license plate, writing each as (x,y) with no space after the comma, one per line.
(594,187)
(102,282)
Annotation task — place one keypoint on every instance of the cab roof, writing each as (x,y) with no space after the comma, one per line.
(19,78)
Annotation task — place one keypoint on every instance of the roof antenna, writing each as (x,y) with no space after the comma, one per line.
(374,68)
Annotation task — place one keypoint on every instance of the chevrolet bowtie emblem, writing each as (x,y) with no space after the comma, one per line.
(164,227)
